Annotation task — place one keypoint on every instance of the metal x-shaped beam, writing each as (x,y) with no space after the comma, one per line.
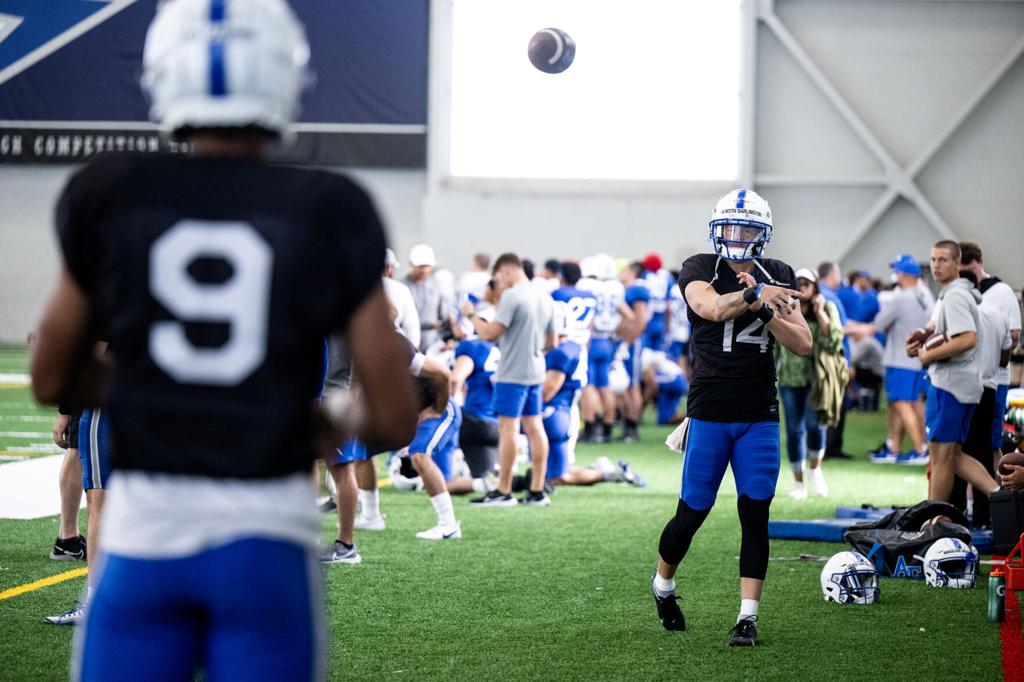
(900,180)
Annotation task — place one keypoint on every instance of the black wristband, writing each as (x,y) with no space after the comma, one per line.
(750,295)
(765,314)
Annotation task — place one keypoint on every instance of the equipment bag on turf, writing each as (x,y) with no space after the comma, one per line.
(892,542)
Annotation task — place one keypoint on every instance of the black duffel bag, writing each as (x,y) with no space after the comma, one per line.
(893,542)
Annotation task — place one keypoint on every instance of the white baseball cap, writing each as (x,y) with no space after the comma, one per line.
(390,258)
(421,254)
(806,273)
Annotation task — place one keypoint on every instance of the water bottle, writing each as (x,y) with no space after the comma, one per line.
(996,596)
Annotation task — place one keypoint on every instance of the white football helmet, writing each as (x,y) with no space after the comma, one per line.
(225,64)
(400,480)
(604,266)
(741,208)
(950,563)
(849,578)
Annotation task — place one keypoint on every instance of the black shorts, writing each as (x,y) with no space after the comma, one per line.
(478,439)
(978,443)
(71,431)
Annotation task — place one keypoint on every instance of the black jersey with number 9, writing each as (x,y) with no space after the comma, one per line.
(733,367)
(216,280)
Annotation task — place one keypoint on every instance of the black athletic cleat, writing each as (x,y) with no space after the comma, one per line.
(69,549)
(744,633)
(540,499)
(495,499)
(669,613)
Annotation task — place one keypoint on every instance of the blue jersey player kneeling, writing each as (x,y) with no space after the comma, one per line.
(739,304)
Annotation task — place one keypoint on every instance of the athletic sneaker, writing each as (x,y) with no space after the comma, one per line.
(69,549)
(629,476)
(495,499)
(816,479)
(540,499)
(326,504)
(798,491)
(669,613)
(72,617)
(883,456)
(337,553)
(369,523)
(913,458)
(441,533)
(630,435)
(744,633)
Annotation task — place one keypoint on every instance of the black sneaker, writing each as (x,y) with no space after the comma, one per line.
(539,499)
(669,613)
(744,633)
(326,504)
(630,435)
(69,549)
(495,499)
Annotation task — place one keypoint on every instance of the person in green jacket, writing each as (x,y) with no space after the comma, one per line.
(811,388)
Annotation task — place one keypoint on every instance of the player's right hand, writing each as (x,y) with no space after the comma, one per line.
(60,431)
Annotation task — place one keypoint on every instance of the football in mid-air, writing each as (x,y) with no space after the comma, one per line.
(1010,458)
(551,50)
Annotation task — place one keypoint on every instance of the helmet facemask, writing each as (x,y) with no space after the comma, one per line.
(732,246)
(857,585)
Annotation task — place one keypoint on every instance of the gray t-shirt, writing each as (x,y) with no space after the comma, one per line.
(905,311)
(527,315)
(996,336)
(957,313)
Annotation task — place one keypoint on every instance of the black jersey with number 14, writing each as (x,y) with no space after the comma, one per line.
(733,376)
(215,281)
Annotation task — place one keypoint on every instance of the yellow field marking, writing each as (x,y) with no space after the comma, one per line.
(45,582)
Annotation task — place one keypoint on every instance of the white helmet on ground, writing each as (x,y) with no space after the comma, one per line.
(849,578)
(401,480)
(950,563)
(225,64)
(741,225)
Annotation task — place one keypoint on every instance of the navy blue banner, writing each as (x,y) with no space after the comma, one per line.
(69,81)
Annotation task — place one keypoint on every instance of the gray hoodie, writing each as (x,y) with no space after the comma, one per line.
(955,313)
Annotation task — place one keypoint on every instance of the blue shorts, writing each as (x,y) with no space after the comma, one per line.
(94,448)
(599,359)
(438,437)
(677,349)
(654,333)
(350,451)
(904,384)
(1000,413)
(669,395)
(557,421)
(516,400)
(750,448)
(248,610)
(633,369)
(946,419)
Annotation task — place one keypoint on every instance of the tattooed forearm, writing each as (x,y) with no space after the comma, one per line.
(731,303)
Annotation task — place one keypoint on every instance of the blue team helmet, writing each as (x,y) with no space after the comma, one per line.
(741,225)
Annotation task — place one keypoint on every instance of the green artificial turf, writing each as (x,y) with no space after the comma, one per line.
(563,592)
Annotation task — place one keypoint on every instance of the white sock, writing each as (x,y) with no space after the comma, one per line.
(445,512)
(664,587)
(889,444)
(369,501)
(748,607)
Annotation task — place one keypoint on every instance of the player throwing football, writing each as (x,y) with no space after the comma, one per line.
(738,309)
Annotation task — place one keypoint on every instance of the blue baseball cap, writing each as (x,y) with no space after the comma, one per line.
(906,264)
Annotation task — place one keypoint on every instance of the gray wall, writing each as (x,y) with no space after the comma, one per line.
(848,93)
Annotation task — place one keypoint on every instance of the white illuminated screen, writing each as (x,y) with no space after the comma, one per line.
(653,93)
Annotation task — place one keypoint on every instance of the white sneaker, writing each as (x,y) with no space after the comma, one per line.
(798,491)
(816,477)
(72,617)
(441,533)
(369,523)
